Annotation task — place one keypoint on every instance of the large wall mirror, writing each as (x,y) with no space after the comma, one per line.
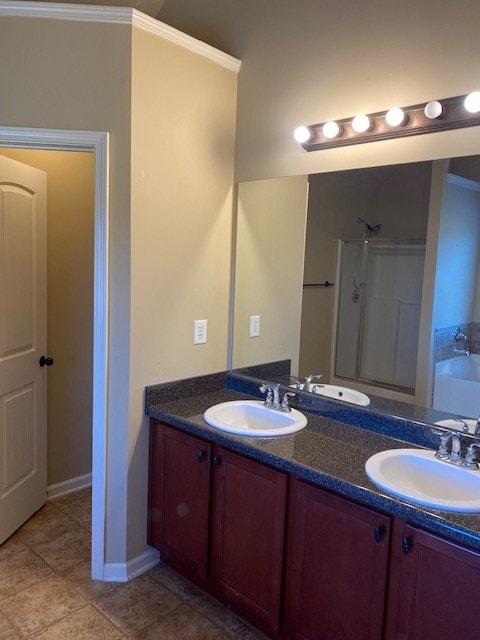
(400,244)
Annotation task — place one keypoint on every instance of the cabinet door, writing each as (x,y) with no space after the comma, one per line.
(439,589)
(337,567)
(248,535)
(179,498)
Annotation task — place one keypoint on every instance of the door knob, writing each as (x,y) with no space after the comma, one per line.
(45,362)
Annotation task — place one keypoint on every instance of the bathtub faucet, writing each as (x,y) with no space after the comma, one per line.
(459,335)
(462,352)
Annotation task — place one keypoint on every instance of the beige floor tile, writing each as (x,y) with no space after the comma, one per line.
(42,605)
(70,498)
(79,510)
(7,632)
(65,550)
(11,546)
(85,624)
(44,526)
(138,604)
(79,576)
(175,582)
(20,571)
(183,624)
(219,614)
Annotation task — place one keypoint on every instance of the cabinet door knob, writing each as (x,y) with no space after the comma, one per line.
(202,455)
(407,544)
(217,461)
(379,532)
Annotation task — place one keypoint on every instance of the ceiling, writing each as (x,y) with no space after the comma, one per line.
(150,7)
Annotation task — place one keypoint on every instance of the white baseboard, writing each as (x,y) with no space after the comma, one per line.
(125,571)
(69,486)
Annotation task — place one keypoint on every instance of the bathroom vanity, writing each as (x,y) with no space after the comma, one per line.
(291,533)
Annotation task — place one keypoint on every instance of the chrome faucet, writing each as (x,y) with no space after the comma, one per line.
(459,335)
(443,453)
(463,422)
(272,399)
(454,454)
(308,380)
(456,450)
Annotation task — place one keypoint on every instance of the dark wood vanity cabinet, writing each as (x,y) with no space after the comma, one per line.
(248,529)
(438,588)
(219,518)
(179,499)
(337,567)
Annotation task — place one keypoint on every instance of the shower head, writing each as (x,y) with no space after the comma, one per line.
(369,227)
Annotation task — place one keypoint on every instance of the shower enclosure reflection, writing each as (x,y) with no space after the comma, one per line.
(378,311)
(294,233)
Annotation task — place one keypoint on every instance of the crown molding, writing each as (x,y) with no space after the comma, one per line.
(117,15)
(142,21)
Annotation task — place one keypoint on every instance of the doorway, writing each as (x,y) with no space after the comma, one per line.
(70,207)
(96,143)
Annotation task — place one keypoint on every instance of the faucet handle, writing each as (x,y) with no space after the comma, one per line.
(285,406)
(443,452)
(471,459)
(299,383)
(266,388)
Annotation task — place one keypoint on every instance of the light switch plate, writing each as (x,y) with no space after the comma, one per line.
(254,326)
(199,332)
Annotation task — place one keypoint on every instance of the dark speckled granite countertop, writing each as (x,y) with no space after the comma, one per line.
(327,452)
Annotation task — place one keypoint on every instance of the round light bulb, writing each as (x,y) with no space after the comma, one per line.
(331,129)
(361,123)
(472,102)
(433,110)
(395,117)
(302,134)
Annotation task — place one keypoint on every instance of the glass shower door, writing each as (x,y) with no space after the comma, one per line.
(391,315)
(379,312)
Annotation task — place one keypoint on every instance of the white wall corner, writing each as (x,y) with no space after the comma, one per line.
(125,571)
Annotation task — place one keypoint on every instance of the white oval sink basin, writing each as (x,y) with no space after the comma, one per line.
(252,418)
(417,476)
(341,393)
(458,424)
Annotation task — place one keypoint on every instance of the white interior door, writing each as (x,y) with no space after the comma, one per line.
(23,437)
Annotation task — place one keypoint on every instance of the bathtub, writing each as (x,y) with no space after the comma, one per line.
(457,386)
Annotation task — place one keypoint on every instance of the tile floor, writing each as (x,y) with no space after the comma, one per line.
(46,592)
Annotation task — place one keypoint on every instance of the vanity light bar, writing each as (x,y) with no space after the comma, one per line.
(437,115)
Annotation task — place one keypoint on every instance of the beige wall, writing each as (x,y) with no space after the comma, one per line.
(171,118)
(70,192)
(183,133)
(306,62)
(74,75)
(271,222)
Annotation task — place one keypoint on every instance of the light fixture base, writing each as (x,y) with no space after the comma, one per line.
(454,116)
